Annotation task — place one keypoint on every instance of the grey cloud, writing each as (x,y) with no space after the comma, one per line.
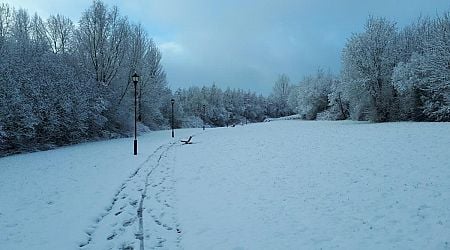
(246,44)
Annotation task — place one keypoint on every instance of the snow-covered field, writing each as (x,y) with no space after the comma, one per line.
(275,185)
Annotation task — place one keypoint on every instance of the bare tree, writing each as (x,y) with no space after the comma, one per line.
(103,38)
(6,16)
(38,32)
(139,43)
(60,32)
(20,30)
(280,95)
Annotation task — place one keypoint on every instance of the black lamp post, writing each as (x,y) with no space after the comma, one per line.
(246,119)
(204,115)
(135,79)
(173,102)
(246,110)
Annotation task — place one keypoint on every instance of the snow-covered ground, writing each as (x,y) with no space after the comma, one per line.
(52,199)
(277,185)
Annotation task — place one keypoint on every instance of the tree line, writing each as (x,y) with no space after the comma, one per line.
(219,108)
(388,74)
(63,82)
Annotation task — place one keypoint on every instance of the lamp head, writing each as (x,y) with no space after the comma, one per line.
(135,77)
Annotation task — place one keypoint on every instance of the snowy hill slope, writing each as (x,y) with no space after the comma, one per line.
(277,185)
(49,199)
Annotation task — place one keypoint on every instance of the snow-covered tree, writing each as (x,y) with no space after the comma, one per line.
(312,94)
(338,102)
(368,61)
(280,95)
(435,71)
(407,82)
(221,107)
(423,80)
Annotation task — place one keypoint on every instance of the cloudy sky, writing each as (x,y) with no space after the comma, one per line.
(248,43)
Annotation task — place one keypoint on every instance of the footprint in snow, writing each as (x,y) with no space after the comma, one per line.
(126,223)
(133,203)
(112,236)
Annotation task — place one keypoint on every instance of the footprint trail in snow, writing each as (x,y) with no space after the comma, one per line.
(141,214)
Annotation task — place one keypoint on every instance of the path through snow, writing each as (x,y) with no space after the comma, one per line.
(140,215)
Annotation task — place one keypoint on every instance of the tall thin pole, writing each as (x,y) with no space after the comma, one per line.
(204,116)
(173,134)
(246,119)
(135,79)
(246,112)
(135,117)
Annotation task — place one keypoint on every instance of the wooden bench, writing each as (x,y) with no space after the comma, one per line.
(188,141)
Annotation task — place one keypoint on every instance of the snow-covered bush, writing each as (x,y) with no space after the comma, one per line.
(424,81)
(192,122)
(311,95)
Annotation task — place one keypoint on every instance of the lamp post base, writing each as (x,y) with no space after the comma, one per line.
(135,147)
